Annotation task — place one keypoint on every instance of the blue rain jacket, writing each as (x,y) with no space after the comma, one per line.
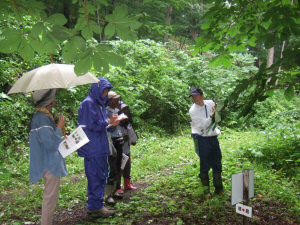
(93,118)
(45,138)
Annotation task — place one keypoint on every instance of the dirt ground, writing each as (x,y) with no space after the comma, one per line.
(276,214)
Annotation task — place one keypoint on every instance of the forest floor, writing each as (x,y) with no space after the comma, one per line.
(165,171)
(272,213)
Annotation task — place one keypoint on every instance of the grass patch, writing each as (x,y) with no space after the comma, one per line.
(168,169)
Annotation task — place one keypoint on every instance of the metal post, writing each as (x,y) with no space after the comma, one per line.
(246,193)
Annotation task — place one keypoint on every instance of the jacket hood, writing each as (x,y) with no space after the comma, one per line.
(97,90)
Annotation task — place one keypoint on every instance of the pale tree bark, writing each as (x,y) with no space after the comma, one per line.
(168,20)
(270,59)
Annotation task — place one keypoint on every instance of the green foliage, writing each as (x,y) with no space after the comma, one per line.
(156,81)
(168,167)
(233,26)
(47,34)
(279,151)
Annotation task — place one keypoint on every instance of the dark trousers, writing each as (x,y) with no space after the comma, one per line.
(127,168)
(209,153)
(96,173)
(115,164)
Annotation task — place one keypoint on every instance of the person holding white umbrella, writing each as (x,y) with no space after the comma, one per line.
(45,160)
(45,136)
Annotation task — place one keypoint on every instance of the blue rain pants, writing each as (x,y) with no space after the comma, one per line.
(96,173)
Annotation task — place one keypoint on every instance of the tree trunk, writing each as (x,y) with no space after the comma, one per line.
(270,59)
(194,34)
(168,20)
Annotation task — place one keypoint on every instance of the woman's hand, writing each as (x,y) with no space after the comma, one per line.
(61,122)
(114,121)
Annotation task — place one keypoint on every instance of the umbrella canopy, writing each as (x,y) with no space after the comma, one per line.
(51,76)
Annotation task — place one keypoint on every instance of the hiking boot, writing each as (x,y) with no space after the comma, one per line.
(103,212)
(120,191)
(205,184)
(110,201)
(128,185)
(217,180)
(118,196)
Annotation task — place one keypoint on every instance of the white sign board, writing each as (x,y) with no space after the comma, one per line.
(237,189)
(244,210)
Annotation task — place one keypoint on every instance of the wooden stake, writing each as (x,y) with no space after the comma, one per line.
(246,193)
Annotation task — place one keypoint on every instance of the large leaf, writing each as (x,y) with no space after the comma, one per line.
(25,50)
(100,64)
(87,32)
(73,48)
(57,19)
(217,117)
(10,41)
(36,45)
(61,33)
(289,93)
(110,30)
(221,60)
(84,64)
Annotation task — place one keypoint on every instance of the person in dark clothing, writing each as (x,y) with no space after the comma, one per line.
(93,118)
(112,188)
(130,138)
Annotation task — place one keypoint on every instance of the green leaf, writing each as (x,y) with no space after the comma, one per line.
(113,59)
(84,64)
(11,40)
(25,50)
(57,19)
(205,26)
(125,33)
(219,106)
(221,60)
(50,44)
(120,12)
(217,117)
(36,45)
(71,50)
(289,93)
(100,64)
(37,29)
(286,2)
(97,29)
(61,33)
(110,30)
(87,32)
(134,24)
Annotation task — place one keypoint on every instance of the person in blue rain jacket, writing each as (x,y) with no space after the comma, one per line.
(94,121)
(45,160)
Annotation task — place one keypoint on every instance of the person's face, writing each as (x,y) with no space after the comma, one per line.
(197,99)
(49,107)
(114,103)
(105,92)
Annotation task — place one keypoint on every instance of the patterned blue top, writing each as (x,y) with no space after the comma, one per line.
(45,138)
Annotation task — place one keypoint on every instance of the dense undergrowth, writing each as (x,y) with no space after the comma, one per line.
(168,168)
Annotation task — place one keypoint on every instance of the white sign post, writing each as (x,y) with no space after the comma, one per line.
(242,189)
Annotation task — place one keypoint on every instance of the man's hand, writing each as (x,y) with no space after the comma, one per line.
(213,111)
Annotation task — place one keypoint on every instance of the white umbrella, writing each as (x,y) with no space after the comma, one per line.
(51,76)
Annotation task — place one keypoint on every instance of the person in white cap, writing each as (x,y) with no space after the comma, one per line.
(45,159)
(112,190)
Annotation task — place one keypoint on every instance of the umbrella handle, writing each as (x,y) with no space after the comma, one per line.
(64,131)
